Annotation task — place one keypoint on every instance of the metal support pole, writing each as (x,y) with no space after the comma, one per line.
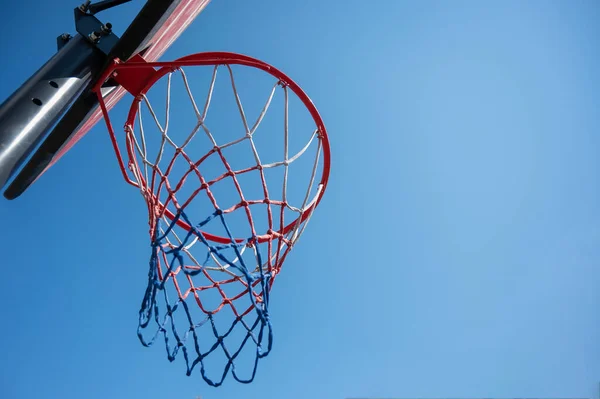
(31,111)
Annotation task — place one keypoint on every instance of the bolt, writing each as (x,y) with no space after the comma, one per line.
(94,37)
(106,28)
(84,7)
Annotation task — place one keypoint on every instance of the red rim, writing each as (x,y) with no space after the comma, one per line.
(223,58)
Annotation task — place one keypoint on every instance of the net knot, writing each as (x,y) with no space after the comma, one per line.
(252,241)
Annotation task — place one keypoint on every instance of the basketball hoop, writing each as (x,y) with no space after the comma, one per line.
(189,260)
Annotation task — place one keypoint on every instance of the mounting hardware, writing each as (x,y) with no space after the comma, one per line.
(85,6)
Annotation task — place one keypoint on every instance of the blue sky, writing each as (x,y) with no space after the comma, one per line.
(455,253)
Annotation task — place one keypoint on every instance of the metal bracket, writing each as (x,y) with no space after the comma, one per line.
(96,33)
(62,40)
(134,79)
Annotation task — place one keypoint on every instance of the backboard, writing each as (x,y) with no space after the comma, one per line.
(152,31)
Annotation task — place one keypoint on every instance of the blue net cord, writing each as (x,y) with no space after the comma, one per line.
(257,330)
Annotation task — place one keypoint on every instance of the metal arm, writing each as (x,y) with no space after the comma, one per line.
(102,5)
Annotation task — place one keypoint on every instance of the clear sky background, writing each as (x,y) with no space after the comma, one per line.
(455,253)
